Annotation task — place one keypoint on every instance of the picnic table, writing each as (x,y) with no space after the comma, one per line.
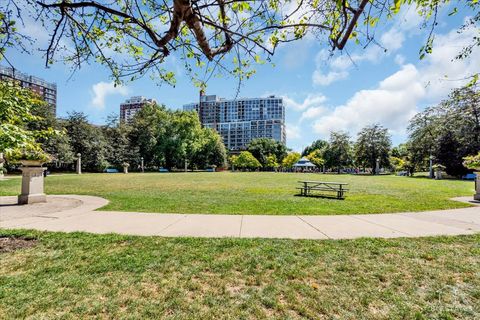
(337,187)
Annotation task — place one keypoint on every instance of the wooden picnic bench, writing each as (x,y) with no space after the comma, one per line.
(336,187)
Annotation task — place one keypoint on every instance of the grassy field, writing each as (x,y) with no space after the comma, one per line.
(72,276)
(253,193)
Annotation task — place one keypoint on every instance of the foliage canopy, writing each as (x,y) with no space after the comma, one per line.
(18,141)
(135,37)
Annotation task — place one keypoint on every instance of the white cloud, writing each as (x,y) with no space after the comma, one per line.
(293,131)
(312,100)
(393,39)
(319,78)
(397,98)
(102,89)
(337,68)
(441,71)
(330,69)
(312,113)
(388,104)
(399,59)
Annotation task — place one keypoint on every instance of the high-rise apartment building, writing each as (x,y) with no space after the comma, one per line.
(132,106)
(47,90)
(240,121)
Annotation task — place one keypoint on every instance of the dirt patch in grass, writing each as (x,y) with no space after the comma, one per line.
(9,244)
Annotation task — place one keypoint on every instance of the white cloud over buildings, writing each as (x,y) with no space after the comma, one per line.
(392,104)
(101,90)
(293,131)
(312,100)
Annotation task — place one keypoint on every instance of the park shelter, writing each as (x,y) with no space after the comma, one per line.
(303,164)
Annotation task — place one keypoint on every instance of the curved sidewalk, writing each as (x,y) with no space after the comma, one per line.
(76,213)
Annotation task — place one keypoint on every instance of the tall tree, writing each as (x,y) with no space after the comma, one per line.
(119,149)
(88,140)
(449,155)
(464,112)
(319,144)
(339,151)
(373,143)
(149,127)
(175,138)
(212,151)
(424,129)
(261,148)
(451,126)
(182,141)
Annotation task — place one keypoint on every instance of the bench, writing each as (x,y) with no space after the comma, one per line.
(111,170)
(337,188)
(469,176)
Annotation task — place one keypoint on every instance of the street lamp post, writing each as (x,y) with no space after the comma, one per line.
(141,165)
(377,167)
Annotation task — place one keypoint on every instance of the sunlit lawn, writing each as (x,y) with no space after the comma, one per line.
(78,276)
(253,193)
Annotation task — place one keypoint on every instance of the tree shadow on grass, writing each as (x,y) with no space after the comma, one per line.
(321,196)
(443,178)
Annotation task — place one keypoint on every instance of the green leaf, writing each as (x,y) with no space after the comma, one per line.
(473,81)
(397,5)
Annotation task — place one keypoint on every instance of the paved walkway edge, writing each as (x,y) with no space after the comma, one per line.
(85,218)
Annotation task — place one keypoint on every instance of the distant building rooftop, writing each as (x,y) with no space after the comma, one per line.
(304,163)
(15,74)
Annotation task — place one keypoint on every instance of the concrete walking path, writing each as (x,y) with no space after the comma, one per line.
(71,213)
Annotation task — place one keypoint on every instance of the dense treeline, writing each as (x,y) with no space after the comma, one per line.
(262,153)
(442,135)
(447,132)
(340,153)
(163,138)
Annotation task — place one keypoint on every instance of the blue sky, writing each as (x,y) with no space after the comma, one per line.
(321,93)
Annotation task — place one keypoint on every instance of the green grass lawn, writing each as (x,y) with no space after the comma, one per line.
(72,276)
(253,193)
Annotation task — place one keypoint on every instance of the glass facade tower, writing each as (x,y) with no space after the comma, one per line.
(241,120)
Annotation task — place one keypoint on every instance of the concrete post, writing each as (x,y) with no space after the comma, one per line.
(79,163)
(1,165)
(125,168)
(431,168)
(32,185)
(476,196)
